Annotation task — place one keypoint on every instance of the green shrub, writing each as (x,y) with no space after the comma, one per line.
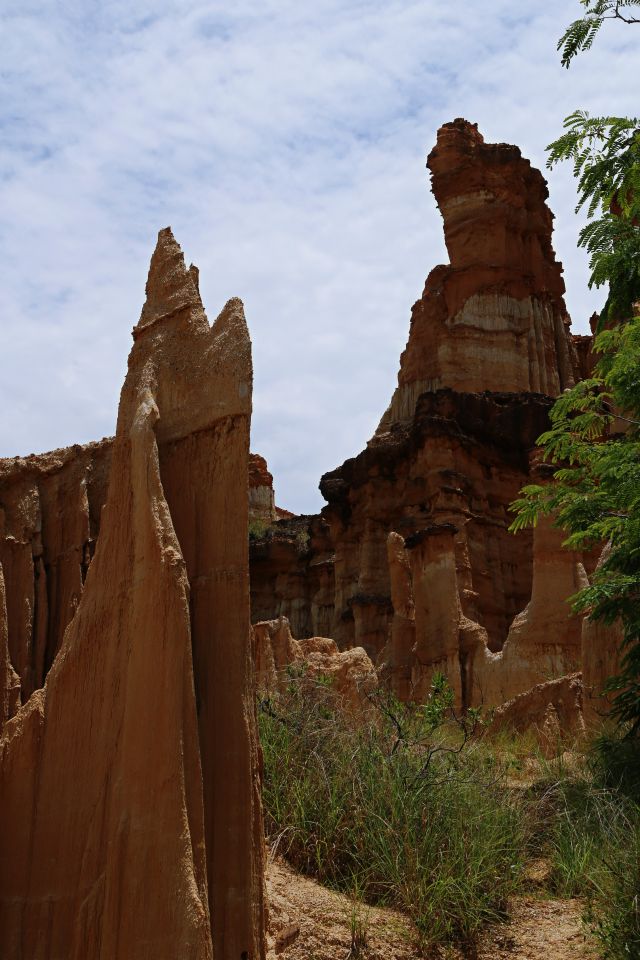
(402,804)
(615,763)
(257,529)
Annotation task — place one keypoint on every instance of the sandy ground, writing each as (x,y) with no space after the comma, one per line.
(538,929)
(309,922)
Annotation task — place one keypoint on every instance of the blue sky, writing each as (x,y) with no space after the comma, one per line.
(285,143)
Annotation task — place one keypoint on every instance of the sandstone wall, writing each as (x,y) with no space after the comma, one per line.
(462,460)
(50,509)
(552,710)
(489,348)
(292,575)
(131,822)
(544,642)
(494,318)
(9,680)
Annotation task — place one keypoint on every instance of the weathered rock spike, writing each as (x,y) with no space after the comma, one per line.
(231,314)
(170,285)
(495,318)
(231,323)
(143,740)
(230,334)
(402,634)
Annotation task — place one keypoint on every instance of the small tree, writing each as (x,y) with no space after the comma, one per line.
(595,495)
(594,439)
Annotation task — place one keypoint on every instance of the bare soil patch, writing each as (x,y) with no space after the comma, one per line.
(309,922)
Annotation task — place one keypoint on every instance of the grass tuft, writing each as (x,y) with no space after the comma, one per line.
(404,805)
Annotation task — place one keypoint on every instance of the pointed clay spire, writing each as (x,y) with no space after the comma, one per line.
(233,343)
(170,285)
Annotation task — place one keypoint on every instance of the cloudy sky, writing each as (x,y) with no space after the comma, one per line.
(285,143)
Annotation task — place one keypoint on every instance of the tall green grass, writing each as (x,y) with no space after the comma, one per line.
(591,833)
(405,806)
(400,804)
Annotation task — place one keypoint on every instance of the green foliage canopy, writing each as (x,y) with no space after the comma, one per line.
(594,440)
(605,152)
(580,34)
(594,496)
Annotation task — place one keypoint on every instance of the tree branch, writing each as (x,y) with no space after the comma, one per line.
(617,15)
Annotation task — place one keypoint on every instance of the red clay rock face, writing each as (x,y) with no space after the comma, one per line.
(129,788)
(402,635)
(49,518)
(495,318)
(544,641)
(462,461)
(489,347)
(50,510)
(292,575)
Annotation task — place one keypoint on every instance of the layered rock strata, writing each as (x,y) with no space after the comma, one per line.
(292,575)
(494,318)
(489,348)
(462,460)
(402,634)
(131,818)
(544,641)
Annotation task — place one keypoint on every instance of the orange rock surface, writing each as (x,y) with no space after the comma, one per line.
(553,710)
(131,822)
(495,318)
(463,461)
(350,673)
(544,641)
(50,509)
(412,558)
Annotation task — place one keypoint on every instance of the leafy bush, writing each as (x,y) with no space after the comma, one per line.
(401,805)
(257,529)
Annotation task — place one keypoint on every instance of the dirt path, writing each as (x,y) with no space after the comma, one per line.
(540,930)
(309,922)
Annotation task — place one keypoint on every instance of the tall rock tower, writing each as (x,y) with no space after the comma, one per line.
(494,318)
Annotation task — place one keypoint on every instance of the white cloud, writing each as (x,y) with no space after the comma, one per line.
(285,143)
